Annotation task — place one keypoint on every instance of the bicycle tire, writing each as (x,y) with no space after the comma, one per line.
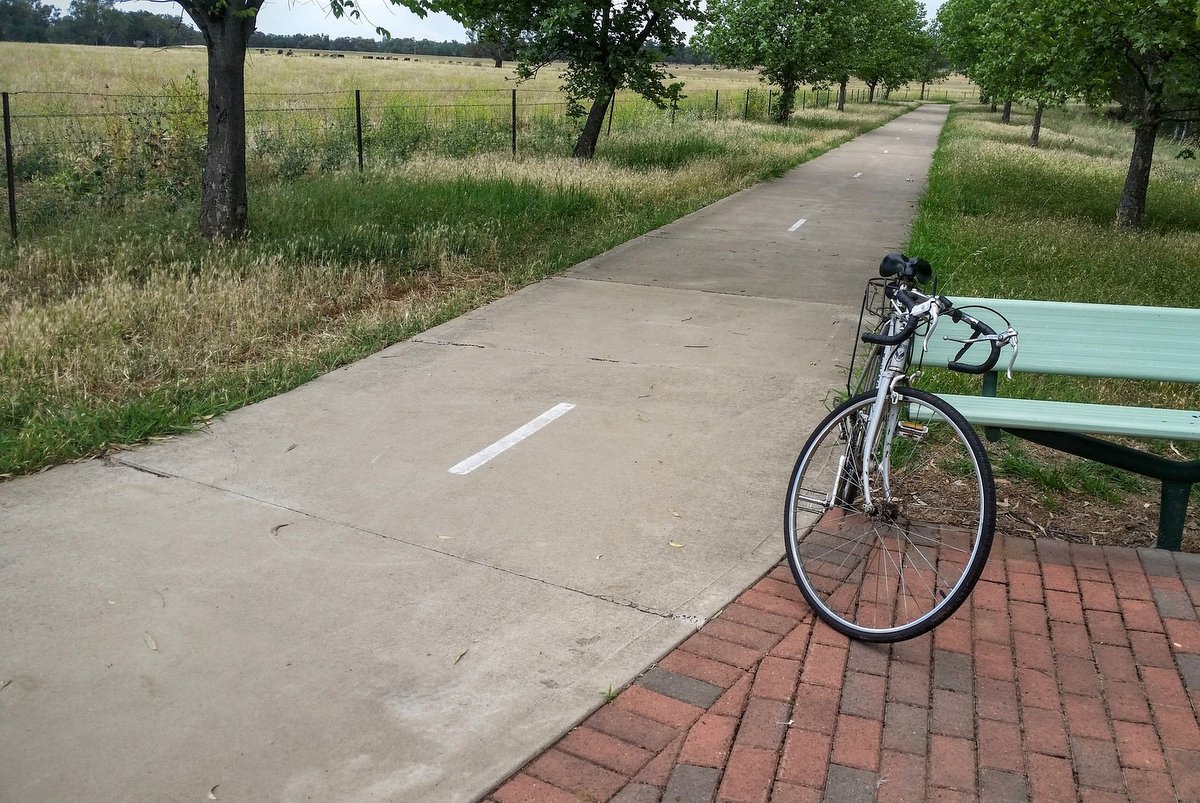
(868,378)
(932,533)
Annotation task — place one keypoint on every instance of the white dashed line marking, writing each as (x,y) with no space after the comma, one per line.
(856,175)
(798,223)
(510,440)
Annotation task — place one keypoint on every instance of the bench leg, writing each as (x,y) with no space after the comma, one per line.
(1172,513)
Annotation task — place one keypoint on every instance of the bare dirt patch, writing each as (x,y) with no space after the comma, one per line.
(1025,508)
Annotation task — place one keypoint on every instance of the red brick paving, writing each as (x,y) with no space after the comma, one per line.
(1065,677)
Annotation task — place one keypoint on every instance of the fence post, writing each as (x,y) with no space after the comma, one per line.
(746,110)
(769,93)
(612,109)
(514,122)
(358,125)
(803,100)
(8,169)
(674,107)
(717,104)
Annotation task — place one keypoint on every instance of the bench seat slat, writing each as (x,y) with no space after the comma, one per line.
(1095,419)
(1105,340)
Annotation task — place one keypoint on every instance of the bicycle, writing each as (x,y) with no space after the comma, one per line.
(891,507)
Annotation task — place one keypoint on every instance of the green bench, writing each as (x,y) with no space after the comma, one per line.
(1094,340)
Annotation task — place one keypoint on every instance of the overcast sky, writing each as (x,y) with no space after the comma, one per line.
(312,16)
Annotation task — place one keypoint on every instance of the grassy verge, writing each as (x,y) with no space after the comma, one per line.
(1001,219)
(119,324)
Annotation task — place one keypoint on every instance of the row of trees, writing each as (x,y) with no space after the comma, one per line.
(91,22)
(320,41)
(101,22)
(1145,57)
(601,47)
(884,43)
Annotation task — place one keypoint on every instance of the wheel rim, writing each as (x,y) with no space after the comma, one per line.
(902,566)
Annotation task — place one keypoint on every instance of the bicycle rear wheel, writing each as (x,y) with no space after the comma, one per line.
(900,566)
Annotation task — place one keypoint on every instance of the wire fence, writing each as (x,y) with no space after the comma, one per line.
(67,149)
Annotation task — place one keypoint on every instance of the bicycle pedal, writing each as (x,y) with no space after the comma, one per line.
(912,430)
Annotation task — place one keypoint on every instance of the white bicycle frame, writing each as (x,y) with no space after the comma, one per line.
(891,370)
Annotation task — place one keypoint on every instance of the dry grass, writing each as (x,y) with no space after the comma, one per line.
(77,68)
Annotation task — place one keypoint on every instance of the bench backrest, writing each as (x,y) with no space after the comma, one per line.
(1106,340)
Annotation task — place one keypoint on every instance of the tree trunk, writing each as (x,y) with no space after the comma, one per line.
(842,94)
(787,101)
(923,90)
(871,91)
(1006,117)
(1137,181)
(224,207)
(585,146)
(498,55)
(1036,134)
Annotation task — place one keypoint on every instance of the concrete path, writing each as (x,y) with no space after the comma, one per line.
(306,602)
(1071,673)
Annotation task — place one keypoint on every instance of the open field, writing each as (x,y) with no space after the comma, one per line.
(1002,219)
(75,68)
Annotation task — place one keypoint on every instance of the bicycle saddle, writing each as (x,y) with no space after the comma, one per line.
(900,265)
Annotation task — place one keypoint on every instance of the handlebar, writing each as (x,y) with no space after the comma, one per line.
(893,340)
(983,333)
(909,298)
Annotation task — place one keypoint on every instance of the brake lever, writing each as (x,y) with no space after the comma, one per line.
(1010,338)
(934,314)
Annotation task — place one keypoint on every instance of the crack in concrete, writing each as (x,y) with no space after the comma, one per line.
(695,621)
(447,343)
(116,462)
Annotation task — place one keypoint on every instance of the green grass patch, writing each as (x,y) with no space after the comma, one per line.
(1001,219)
(121,324)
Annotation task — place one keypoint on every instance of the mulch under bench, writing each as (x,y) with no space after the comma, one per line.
(1072,672)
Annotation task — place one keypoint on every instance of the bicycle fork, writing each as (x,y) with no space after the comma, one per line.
(886,407)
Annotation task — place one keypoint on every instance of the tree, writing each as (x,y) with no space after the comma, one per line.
(791,42)
(1147,58)
(26,20)
(932,64)
(1020,54)
(494,38)
(890,48)
(226,26)
(90,22)
(607,45)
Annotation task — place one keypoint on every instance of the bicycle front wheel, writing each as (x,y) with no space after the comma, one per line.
(890,553)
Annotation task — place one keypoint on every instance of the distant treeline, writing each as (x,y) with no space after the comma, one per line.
(319,41)
(91,22)
(99,22)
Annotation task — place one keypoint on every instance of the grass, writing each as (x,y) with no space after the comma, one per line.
(76,68)
(1001,219)
(119,324)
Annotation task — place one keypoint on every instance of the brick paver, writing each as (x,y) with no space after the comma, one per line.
(1073,673)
